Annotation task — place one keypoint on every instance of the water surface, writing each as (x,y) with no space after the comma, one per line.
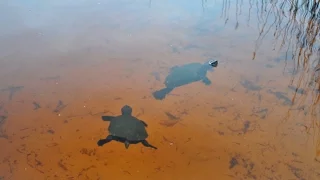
(63,64)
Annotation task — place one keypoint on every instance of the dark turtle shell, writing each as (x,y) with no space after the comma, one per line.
(128,127)
(185,74)
(188,73)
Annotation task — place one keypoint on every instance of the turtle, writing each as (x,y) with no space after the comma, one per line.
(185,74)
(126,128)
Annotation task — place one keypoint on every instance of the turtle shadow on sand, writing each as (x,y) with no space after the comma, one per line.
(126,128)
(185,74)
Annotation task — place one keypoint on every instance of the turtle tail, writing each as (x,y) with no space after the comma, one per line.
(161,94)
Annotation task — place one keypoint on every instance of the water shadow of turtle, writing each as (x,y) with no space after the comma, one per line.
(185,74)
(126,129)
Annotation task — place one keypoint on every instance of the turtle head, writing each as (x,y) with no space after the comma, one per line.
(210,64)
(213,63)
(126,110)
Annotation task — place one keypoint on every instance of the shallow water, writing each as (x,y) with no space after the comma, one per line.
(63,64)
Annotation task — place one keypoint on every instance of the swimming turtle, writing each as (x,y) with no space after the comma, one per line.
(185,74)
(126,128)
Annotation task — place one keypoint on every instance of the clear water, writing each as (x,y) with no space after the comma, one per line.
(93,57)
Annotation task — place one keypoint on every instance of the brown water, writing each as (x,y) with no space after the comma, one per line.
(93,57)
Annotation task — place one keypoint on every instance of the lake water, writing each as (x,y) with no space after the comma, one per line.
(64,64)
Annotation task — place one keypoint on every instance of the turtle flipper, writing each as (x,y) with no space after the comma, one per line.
(145,143)
(206,81)
(144,123)
(101,142)
(161,94)
(107,118)
(126,144)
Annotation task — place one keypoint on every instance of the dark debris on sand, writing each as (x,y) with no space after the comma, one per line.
(3,119)
(281,96)
(245,163)
(250,86)
(36,105)
(172,120)
(12,90)
(60,106)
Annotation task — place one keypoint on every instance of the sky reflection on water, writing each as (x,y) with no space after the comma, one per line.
(257,120)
